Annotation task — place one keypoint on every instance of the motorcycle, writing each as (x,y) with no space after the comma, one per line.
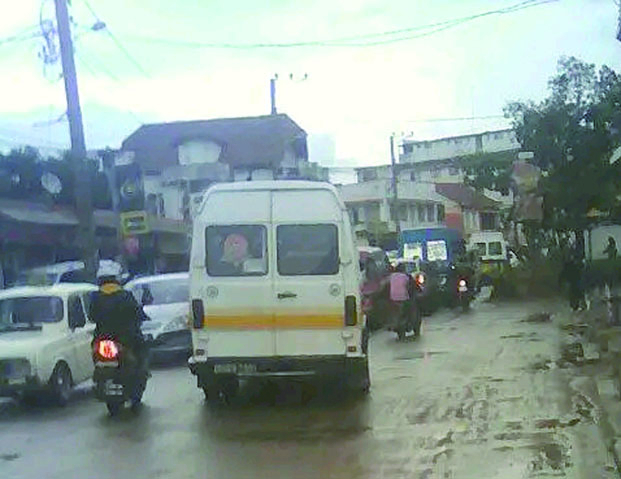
(464,294)
(407,316)
(119,376)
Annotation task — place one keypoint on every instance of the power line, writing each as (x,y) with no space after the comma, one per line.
(366,40)
(26,34)
(117,42)
(109,74)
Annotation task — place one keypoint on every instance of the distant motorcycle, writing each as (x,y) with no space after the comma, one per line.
(464,294)
(119,377)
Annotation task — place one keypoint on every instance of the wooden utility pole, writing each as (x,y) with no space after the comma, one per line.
(82,179)
(395,195)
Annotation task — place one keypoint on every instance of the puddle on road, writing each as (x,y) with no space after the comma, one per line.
(538,318)
(418,355)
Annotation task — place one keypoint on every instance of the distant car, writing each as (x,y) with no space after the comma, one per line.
(45,340)
(165,299)
(65,272)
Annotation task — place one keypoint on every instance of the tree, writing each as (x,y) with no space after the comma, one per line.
(22,173)
(572,134)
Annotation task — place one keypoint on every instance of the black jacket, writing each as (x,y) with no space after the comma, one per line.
(117,313)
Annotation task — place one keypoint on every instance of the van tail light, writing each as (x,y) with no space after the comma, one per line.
(107,350)
(351,314)
(198,313)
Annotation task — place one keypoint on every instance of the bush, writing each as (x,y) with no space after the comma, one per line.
(540,280)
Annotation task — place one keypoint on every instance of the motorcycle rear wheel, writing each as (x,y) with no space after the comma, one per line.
(114,407)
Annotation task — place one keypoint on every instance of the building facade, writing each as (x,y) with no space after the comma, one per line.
(181,160)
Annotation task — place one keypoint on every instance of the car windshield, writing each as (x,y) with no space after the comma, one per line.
(161,292)
(30,310)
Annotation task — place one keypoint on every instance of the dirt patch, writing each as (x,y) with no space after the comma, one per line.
(542,365)
(538,318)
(513,336)
(549,456)
(514,425)
(508,436)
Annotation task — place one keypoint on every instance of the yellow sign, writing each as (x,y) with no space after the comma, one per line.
(134,223)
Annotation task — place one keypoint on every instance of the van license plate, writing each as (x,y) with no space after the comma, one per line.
(235,368)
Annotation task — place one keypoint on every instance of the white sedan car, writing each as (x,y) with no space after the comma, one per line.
(45,340)
(166,300)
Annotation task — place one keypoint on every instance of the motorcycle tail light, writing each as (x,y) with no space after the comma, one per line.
(462,282)
(107,350)
(420,279)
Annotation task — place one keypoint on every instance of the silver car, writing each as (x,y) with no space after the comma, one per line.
(165,299)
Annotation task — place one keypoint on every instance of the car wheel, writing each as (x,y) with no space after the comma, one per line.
(61,384)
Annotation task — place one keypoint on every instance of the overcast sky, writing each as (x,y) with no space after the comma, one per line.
(358,95)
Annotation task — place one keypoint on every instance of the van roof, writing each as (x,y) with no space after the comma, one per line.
(272,185)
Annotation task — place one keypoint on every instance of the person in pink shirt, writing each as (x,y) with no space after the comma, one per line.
(401,293)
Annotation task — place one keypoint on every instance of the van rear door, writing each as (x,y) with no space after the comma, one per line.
(238,288)
(308,281)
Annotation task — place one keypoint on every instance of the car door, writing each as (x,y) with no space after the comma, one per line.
(308,281)
(80,337)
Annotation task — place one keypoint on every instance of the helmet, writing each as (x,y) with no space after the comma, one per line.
(108,272)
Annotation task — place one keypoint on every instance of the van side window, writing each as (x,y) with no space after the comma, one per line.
(307,250)
(236,250)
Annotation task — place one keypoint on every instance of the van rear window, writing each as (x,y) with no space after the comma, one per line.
(236,250)
(307,250)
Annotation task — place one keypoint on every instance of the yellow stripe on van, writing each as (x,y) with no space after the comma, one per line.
(306,321)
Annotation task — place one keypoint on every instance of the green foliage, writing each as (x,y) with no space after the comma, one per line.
(21,172)
(573,133)
(488,170)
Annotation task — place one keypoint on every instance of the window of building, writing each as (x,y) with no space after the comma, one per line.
(441,214)
(369,175)
(421,213)
(403,212)
(431,214)
(407,148)
(428,145)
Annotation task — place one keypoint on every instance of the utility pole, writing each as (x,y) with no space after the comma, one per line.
(82,180)
(273,94)
(395,195)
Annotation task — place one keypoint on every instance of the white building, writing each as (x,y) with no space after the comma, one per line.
(417,151)
(181,160)
(371,208)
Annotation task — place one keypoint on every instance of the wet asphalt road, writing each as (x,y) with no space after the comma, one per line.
(480,395)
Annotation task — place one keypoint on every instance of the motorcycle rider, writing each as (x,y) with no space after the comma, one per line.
(117,314)
(402,294)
